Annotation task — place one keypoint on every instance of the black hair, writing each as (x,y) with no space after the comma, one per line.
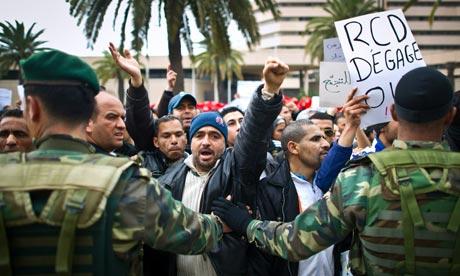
(15,112)
(456,103)
(322,116)
(230,109)
(73,104)
(295,131)
(164,119)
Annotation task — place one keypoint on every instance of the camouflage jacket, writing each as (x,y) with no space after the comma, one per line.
(357,203)
(146,212)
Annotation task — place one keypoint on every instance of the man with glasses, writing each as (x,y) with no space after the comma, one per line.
(325,123)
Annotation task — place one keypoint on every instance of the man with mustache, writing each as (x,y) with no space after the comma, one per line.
(401,204)
(302,178)
(14,134)
(105,130)
(212,170)
(65,210)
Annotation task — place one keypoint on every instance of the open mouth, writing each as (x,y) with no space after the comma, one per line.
(206,154)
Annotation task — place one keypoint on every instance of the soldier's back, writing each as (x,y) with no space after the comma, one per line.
(412,211)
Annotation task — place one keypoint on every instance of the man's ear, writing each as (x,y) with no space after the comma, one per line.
(292,148)
(393,113)
(89,127)
(34,109)
(155,142)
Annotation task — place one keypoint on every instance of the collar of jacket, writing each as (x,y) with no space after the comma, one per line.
(64,142)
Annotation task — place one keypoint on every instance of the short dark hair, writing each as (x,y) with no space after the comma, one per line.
(15,112)
(164,119)
(295,131)
(322,116)
(73,104)
(230,109)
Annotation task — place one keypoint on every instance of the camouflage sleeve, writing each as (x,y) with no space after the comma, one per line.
(326,222)
(148,212)
(171,226)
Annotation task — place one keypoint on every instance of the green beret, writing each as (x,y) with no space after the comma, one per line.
(58,68)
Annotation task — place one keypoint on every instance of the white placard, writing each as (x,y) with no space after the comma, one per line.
(246,88)
(21,96)
(379,49)
(333,50)
(5,97)
(334,83)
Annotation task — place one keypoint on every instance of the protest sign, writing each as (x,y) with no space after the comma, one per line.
(333,50)
(379,48)
(5,97)
(334,83)
(245,89)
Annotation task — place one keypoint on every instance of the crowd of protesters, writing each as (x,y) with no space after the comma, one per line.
(271,157)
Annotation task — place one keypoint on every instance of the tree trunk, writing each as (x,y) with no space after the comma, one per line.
(121,87)
(175,58)
(216,86)
(229,90)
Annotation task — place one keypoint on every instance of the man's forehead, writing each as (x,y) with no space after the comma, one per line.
(232,116)
(312,130)
(170,126)
(13,122)
(322,122)
(209,129)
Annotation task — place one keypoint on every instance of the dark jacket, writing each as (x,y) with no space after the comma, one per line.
(277,200)
(139,120)
(237,174)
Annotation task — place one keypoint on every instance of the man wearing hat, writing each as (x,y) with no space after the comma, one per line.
(64,209)
(212,170)
(401,203)
(183,106)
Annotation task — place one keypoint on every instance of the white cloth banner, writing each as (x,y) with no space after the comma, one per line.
(379,49)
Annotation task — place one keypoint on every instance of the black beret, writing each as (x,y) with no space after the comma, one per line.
(423,95)
(56,67)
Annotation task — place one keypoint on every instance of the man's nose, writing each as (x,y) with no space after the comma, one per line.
(11,140)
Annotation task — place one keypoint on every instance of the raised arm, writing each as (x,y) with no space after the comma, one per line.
(139,119)
(251,145)
(341,151)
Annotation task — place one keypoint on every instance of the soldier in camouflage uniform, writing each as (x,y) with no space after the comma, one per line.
(68,211)
(402,204)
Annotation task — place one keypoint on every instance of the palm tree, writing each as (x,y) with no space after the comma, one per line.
(17,43)
(220,67)
(211,16)
(107,69)
(321,28)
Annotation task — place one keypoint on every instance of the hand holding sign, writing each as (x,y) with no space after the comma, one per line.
(379,48)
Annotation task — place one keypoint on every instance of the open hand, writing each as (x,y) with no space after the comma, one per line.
(128,64)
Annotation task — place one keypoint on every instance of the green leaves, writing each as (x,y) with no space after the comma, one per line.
(17,43)
(321,28)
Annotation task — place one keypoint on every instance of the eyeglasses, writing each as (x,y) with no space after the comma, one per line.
(329,132)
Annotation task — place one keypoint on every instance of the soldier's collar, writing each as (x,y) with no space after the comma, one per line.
(399,144)
(63,142)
